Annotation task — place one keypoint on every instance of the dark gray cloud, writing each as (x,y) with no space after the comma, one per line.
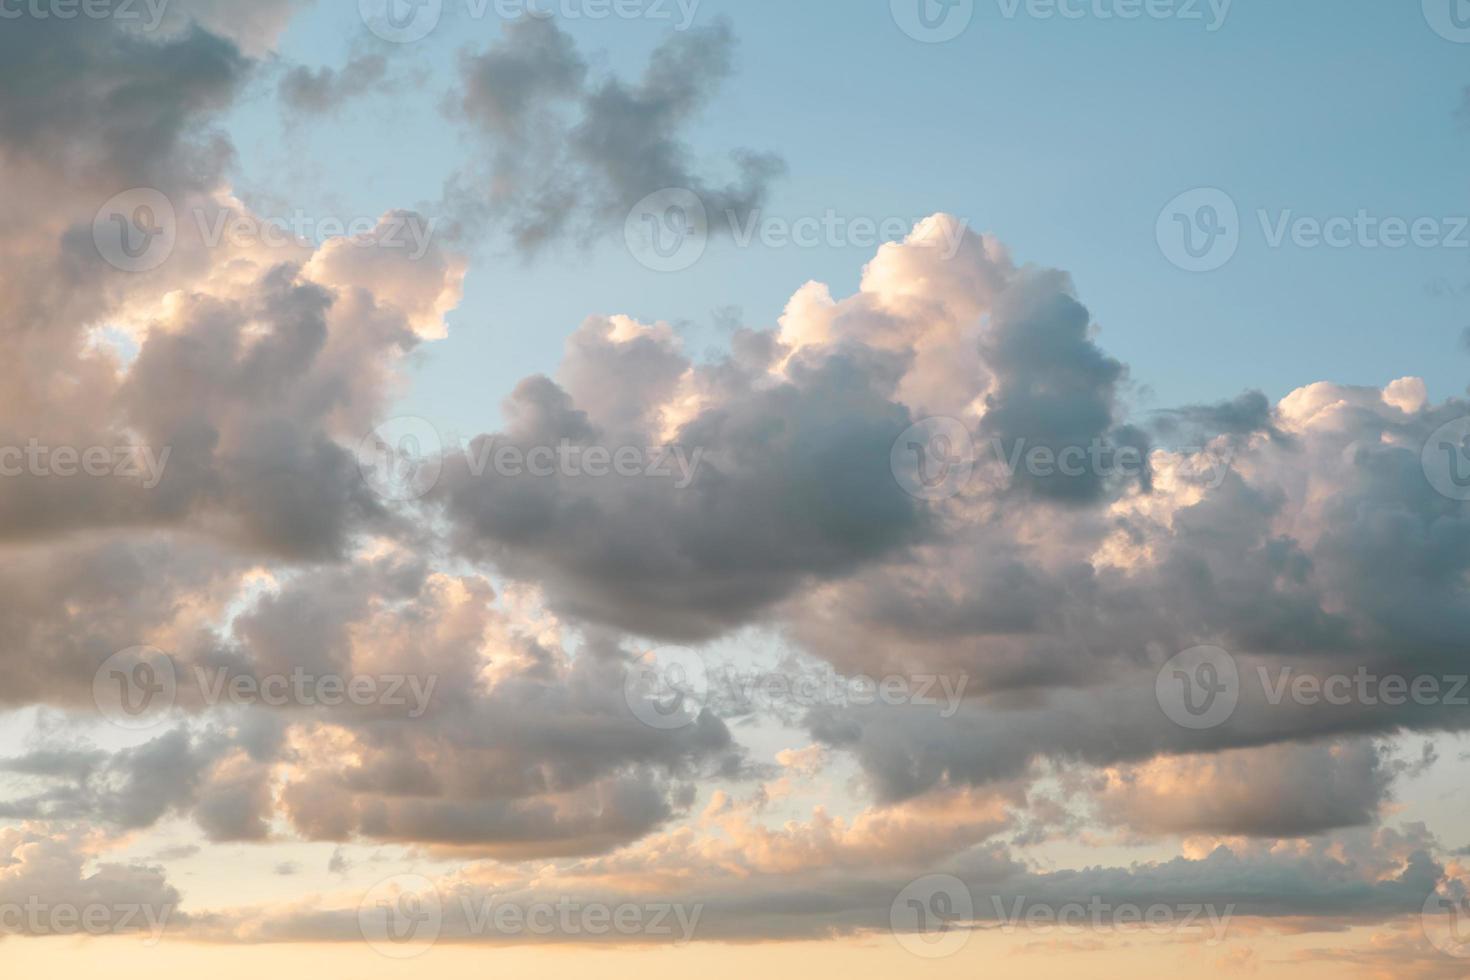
(570,155)
(1338,879)
(1244,415)
(793,486)
(107,106)
(321,90)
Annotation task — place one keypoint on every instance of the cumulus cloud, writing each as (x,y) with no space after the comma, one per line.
(48,890)
(774,501)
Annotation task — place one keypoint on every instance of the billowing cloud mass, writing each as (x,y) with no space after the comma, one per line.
(789,511)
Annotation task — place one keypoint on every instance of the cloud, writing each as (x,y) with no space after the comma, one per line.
(321,90)
(570,155)
(47,890)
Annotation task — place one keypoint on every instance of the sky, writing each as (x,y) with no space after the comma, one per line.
(928,486)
